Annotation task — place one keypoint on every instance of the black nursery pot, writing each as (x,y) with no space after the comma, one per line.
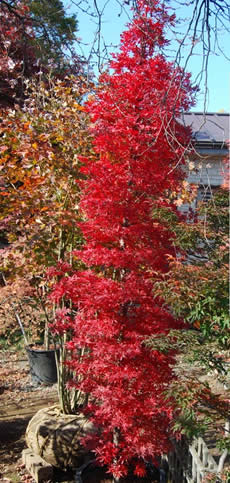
(43,366)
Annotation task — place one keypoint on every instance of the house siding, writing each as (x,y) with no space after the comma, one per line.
(208,173)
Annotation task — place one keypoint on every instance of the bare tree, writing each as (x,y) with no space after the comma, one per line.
(201,32)
(199,28)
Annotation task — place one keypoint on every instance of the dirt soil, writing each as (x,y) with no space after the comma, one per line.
(20,399)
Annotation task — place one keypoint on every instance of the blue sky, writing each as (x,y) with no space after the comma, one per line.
(112,26)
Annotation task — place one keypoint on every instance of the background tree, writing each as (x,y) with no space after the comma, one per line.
(197,290)
(17,56)
(55,33)
(39,149)
(35,37)
(139,148)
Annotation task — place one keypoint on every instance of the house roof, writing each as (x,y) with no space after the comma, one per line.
(212,127)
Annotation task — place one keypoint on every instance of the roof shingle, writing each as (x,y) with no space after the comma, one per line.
(210,127)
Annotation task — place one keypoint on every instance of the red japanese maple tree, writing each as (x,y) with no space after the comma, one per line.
(138,162)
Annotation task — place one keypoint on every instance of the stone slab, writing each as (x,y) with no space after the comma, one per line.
(37,467)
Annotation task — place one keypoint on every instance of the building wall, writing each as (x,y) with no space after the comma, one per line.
(208,172)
